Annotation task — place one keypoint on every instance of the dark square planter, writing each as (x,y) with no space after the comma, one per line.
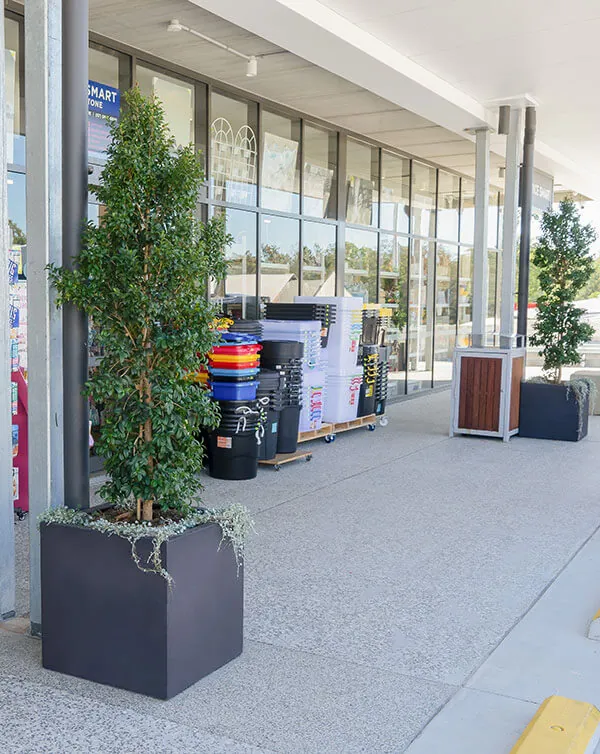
(105,620)
(551,412)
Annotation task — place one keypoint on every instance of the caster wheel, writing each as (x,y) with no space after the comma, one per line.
(384,421)
(328,438)
(277,467)
(308,458)
(372,427)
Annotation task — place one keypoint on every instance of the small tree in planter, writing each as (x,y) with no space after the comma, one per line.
(142,278)
(565,264)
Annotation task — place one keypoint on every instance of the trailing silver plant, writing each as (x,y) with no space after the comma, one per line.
(235,523)
(585,391)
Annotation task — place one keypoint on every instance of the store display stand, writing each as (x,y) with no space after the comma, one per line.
(369,421)
(315,434)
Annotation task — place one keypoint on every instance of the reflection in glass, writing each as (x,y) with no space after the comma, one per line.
(446,281)
(320,172)
(395,192)
(362,196)
(233,148)
(15,121)
(103,70)
(393,278)
(420,315)
(448,206)
(238,292)
(279,259)
(492,310)
(465,296)
(177,98)
(493,219)
(280,174)
(467,212)
(423,199)
(318,259)
(360,277)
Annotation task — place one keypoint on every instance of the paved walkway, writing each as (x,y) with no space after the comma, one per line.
(392,604)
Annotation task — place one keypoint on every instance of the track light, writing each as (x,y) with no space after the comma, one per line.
(174,25)
(252,67)
(251,60)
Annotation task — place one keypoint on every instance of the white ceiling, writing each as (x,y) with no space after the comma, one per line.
(471,44)
(502,48)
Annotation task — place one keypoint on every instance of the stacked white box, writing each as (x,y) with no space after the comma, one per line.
(314,376)
(344,374)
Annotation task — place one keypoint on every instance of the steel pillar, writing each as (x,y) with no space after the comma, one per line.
(509,242)
(75,192)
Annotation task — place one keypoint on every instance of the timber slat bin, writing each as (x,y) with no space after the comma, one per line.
(486,389)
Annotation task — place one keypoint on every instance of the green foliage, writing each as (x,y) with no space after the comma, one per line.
(142,278)
(565,264)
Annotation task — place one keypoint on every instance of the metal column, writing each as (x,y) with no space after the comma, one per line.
(75,191)
(480,245)
(526,202)
(44,244)
(7,526)
(509,244)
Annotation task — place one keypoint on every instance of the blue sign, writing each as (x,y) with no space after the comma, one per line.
(13,272)
(104,100)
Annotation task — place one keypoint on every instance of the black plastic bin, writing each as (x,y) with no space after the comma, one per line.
(287,436)
(268,446)
(231,455)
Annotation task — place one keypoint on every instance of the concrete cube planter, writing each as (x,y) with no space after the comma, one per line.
(105,620)
(552,412)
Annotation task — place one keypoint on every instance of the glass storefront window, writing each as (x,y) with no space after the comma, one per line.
(492,311)
(318,259)
(423,200)
(448,206)
(103,101)
(465,296)
(280,166)
(320,172)
(446,281)
(420,315)
(393,278)
(15,121)
(361,264)
(493,219)
(177,98)
(279,259)
(395,192)
(362,176)
(237,293)
(467,212)
(233,150)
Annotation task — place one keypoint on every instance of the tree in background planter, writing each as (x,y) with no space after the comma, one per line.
(142,277)
(549,408)
(564,263)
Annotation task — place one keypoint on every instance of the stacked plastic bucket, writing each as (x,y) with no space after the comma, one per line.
(285,357)
(370,363)
(270,396)
(381,386)
(233,368)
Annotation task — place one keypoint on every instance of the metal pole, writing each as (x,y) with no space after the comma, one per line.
(509,242)
(7,526)
(480,250)
(43,76)
(526,203)
(75,190)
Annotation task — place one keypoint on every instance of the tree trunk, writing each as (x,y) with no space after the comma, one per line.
(147,510)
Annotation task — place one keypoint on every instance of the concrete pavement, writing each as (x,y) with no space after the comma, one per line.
(392,604)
